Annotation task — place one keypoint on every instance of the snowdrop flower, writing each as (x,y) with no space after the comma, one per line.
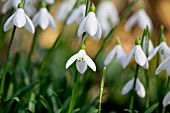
(82,60)
(150,47)
(49,1)
(138,87)
(107,15)
(43,18)
(166,100)
(64,9)
(117,52)
(10,4)
(29,6)
(77,15)
(138,54)
(19,19)
(91,25)
(164,65)
(141,18)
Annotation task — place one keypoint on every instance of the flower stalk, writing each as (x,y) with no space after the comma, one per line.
(4,68)
(101,89)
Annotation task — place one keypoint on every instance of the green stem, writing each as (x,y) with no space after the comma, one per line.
(147,88)
(133,89)
(101,89)
(74,92)
(35,37)
(4,68)
(163,110)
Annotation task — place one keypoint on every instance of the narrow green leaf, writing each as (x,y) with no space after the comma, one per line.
(28,111)
(45,103)
(59,111)
(5,102)
(76,110)
(152,108)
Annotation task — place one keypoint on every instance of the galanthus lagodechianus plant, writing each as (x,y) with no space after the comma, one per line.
(64,9)
(164,52)
(138,54)
(90,25)
(43,18)
(77,15)
(107,15)
(139,88)
(141,18)
(117,52)
(19,19)
(82,60)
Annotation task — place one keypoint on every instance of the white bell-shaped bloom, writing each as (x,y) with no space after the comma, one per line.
(49,1)
(91,25)
(77,15)
(43,18)
(165,64)
(82,60)
(166,100)
(29,6)
(19,19)
(117,52)
(138,87)
(107,15)
(150,47)
(64,9)
(141,18)
(139,56)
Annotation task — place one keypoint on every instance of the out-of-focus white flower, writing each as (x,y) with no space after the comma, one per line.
(164,65)
(116,52)
(166,100)
(19,19)
(138,87)
(29,6)
(150,47)
(82,60)
(64,9)
(77,15)
(49,1)
(90,25)
(107,15)
(139,56)
(141,18)
(43,18)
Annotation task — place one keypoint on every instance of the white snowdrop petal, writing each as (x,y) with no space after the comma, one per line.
(164,50)
(81,29)
(168,70)
(9,23)
(99,30)
(6,7)
(71,60)
(121,55)
(128,86)
(166,99)
(140,56)
(91,25)
(73,16)
(29,25)
(19,18)
(89,62)
(165,64)
(110,56)
(81,66)
(128,58)
(153,52)
(36,19)
(131,21)
(52,21)
(140,89)
(151,47)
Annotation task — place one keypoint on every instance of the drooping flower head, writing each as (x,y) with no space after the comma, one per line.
(82,60)
(138,54)
(141,18)
(64,9)
(91,25)
(77,15)
(139,88)
(43,18)
(117,52)
(107,15)
(19,19)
